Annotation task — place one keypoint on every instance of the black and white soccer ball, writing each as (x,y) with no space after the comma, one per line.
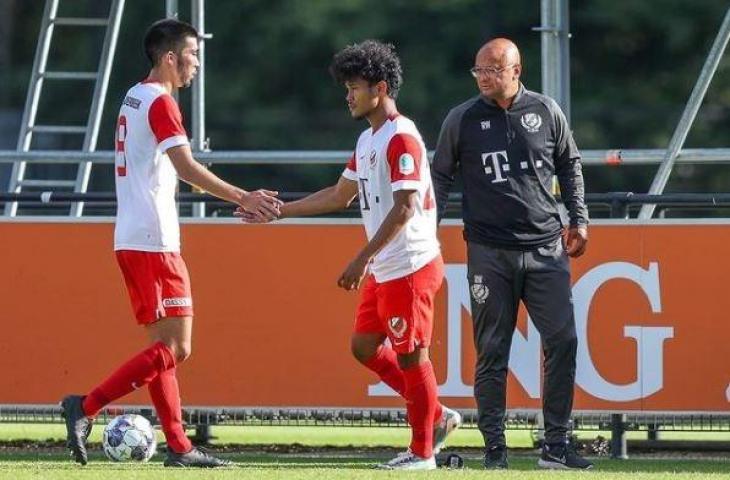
(129,438)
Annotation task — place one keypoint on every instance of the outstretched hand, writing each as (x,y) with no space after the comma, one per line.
(259,206)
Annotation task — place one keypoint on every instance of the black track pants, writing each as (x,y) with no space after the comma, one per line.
(498,280)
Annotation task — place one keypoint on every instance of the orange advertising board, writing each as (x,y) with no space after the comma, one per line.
(272,329)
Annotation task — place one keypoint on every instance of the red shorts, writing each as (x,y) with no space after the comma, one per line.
(158,284)
(402,308)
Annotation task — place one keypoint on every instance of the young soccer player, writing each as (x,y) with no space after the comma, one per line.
(152,150)
(401,264)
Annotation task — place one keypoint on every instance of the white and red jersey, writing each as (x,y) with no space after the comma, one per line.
(390,159)
(149,123)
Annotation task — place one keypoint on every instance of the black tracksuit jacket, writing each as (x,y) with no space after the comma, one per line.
(507,159)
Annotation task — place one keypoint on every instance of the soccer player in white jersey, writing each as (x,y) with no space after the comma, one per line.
(152,150)
(390,171)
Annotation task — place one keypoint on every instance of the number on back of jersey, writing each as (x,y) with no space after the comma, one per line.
(120,157)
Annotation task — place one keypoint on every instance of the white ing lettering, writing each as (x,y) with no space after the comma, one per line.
(649,340)
(526,350)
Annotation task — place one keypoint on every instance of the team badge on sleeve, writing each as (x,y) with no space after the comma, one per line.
(406,164)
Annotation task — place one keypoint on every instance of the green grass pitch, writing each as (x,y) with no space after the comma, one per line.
(352,457)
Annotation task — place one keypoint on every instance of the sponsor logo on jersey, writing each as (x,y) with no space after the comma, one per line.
(486,125)
(132,102)
(406,164)
(177,302)
(398,326)
(531,122)
(497,164)
(479,291)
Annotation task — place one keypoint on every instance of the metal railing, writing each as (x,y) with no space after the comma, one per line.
(618,204)
(610,157)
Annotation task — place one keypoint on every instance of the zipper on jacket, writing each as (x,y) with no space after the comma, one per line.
(508,128)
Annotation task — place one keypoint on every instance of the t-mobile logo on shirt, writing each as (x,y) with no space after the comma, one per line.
(496,163)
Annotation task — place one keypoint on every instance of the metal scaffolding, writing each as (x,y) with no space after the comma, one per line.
(555,35)
(689,114)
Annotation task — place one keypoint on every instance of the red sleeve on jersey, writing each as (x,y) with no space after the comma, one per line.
(404,168)
(165,118)
(351,165)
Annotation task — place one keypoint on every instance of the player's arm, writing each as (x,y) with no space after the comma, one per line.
(165,121)
(260,202)
(404,207)
(331,199)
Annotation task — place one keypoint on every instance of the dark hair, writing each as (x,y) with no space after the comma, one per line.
(164,36)
(370,60)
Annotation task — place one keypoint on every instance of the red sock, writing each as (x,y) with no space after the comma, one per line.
(385,364)
(422,402)
(135,373)
(165,394)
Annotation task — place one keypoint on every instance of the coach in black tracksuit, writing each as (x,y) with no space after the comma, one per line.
(507,143)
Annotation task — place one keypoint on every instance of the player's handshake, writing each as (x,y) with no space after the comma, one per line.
(259,206)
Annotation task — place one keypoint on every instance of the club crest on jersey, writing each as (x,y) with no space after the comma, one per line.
(373,159)
(486,124)
(531,122)
(398,326)
(479,291)
(406,164)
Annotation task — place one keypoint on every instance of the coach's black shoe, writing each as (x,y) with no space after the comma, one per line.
(495,458)
(562,456)
(194,458)
(78,427)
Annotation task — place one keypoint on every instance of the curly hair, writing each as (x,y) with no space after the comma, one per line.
(371,60)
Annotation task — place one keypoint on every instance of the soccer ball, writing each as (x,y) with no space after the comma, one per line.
(129,437)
